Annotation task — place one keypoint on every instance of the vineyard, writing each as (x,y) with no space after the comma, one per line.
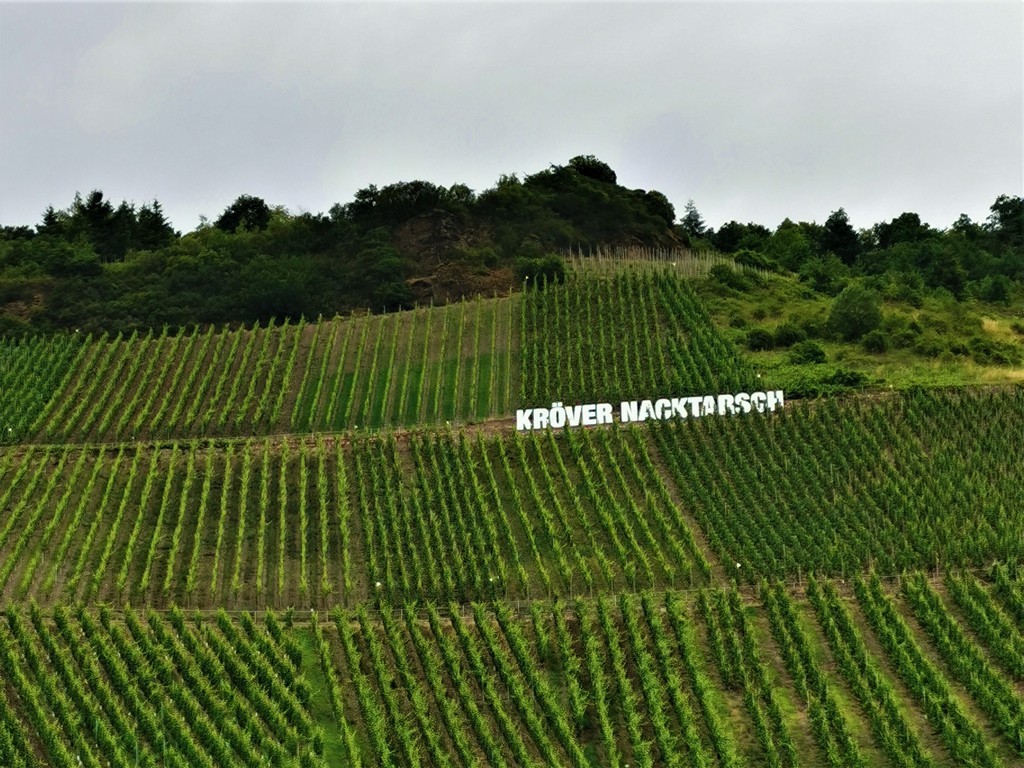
(425,366)
(889,675)
(324,544)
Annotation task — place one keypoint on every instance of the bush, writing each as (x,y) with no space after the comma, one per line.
(538,272)
(15,290)
(844,377)
(990,352)
(1017,328)
(931,345)
(935,322)
(756,259)
(731,278)
(788,334)
(994,289)
(826,274)
(12,327)
(759,340)
(900,331)
(815,381)
(805,352)
(906,287)
(855,312)
(959,348)
(814,327)
(876,342)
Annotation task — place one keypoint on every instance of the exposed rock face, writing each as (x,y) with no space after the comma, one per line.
(435,246)
(24,304)
(428,239)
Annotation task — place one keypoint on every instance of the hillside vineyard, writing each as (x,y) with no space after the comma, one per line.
(325,544)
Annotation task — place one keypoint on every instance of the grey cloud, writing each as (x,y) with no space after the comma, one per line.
(756,110)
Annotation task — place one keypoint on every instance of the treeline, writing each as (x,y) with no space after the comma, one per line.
(96,266)
(905,256)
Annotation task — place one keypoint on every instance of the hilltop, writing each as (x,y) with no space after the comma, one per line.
(97,266)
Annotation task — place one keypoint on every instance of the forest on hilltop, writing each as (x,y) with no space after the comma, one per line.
(96,266)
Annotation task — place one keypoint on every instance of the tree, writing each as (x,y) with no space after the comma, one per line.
(855,312)
(54,222)
(943,266)
(120,235)
(789,246)
(660,206)
(253,213)
(93,218)
(380,272)
(153,230)
(592,168)
(94,212)
(995,289)
(1007,220)
(460,195)
(755,236)
(825,274)
(395,204)
(967,228)
(17,233)
(275,287)
(840,238)
(692,223)
(733,236)
(535,273)
(806,352)
(727,238)
(905,228)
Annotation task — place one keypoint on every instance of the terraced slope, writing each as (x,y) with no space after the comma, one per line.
(633,333)
(917,480)
(701,592)
(405,368)
(884,676)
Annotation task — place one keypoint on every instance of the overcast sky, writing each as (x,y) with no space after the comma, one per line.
(757,111)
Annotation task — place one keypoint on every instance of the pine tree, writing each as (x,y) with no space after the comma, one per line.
(692,223)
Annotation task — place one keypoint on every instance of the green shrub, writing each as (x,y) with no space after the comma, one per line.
(756,259)
(934,322)
(814,326)
(906,287)
(805,352)
(931,345)
(844,377)
(12,327)
(818,380)
(725,275)
(825,274)
(992,288)
(538,272)
(900,331)
(856,311)
(480,256)
(788,334)
(991,352)
(759,339)
(876,341)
